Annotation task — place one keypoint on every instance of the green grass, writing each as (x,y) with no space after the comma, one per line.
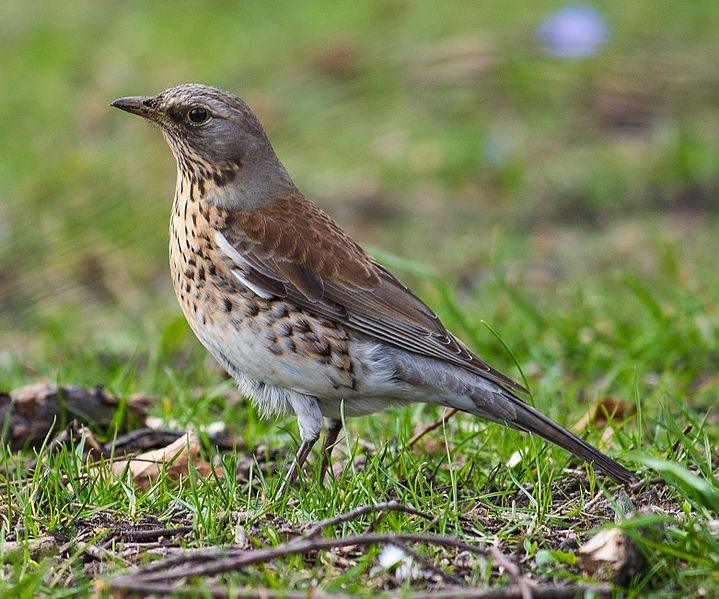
(637,358)
(567,207)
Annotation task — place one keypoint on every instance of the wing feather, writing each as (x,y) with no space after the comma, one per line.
(309,259)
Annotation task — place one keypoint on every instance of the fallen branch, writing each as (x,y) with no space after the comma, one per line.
(542,591)
(141,440)
(30,412)
(225,560)
(74,431)
(361,511)
(145,439)
(221,591)
(36,547)
(151,534)
(172,461)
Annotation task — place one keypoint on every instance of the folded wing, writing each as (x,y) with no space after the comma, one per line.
(312,261)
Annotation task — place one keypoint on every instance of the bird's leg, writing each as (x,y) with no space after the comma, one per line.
(299,461)
(309,421)
(334,428)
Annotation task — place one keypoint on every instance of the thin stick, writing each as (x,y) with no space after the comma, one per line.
(158,580)
(234,560)
(542,591)
(186,557)
(429,566)
(220,592)
(361,511)
(657,480)
(153,533)
(687,429)
(513,570)
(431,426)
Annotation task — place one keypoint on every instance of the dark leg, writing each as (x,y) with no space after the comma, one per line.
(299,461)
(330,438)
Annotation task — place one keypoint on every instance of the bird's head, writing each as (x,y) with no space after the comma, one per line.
(217,142)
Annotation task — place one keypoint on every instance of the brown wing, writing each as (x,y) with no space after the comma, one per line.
(294,230)
(291,248)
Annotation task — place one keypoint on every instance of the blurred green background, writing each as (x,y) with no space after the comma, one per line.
(551,169)
(447,133)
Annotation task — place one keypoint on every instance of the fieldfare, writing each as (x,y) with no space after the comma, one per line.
(292,307)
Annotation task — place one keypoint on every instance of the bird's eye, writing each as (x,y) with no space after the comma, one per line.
(198,115)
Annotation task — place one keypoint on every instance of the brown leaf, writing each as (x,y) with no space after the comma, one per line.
(600,413)
(612,555)
(174,460)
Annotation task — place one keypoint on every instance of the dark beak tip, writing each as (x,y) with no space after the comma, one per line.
(134,105)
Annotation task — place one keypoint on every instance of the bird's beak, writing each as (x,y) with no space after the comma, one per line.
(143,106)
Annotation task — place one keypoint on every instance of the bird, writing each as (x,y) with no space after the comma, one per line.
(302,317)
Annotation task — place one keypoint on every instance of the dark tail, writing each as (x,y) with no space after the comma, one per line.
(454,387)
(532,421)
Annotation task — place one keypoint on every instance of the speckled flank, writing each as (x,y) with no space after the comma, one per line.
(297,334)
(215,302)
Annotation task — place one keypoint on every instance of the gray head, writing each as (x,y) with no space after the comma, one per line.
(218,144)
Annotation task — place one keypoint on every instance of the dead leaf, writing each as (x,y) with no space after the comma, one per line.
(598,417)
(174,460)
(598,412)
(612,555)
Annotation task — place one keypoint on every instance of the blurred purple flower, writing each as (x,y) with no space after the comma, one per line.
(497,150)
(574,31)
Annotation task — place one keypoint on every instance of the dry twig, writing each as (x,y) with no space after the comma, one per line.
(431,426)
(524,585)
(361,511)
(542,591)
(150,534)
(430,567)
(221,591)
(687,429)
(224,560)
